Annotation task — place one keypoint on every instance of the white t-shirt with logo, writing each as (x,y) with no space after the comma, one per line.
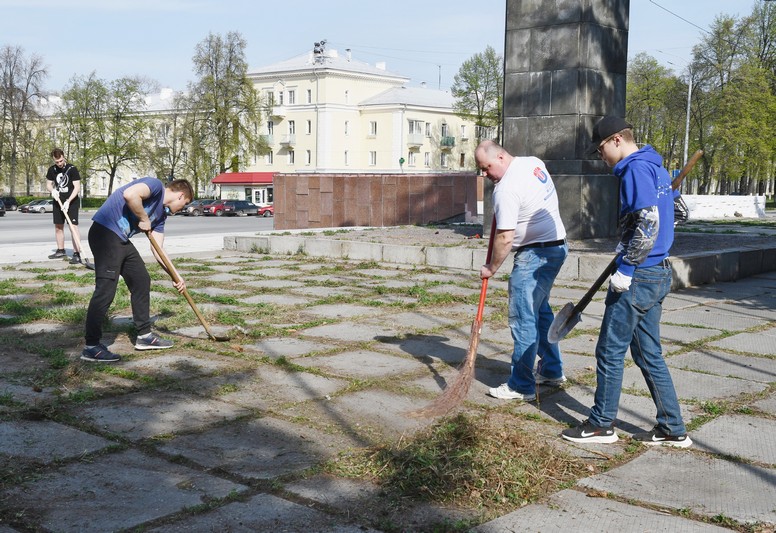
(526,201)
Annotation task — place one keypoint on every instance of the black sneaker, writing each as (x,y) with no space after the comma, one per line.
(657,437)
(76,259)
(100,354)
(587,432)
(152,342)
(59,254)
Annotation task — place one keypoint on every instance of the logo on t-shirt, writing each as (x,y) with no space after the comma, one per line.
(542,175)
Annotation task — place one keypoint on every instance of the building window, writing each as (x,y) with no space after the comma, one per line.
(308,156)
(269,158)
(373,128)
(444,130)
(427,159)
(290,157)
(291,97)
(411,159)
(271,97)
(462,162)
(270,127)
(443,160)
(280,98)
(463,132)
(346,158)
(309,127)
(372,158)
(291,127)
(309,96)
(347,126)
(416,127)
(428,129)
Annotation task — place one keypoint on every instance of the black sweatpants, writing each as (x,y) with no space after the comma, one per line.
(114,258)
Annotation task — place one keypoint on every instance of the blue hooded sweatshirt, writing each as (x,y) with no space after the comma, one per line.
(644,183)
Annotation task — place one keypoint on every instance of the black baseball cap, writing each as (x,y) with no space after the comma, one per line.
(607,127)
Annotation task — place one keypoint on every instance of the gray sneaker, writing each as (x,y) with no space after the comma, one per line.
(152,342)
(552,382)
(59,254)
(99,354)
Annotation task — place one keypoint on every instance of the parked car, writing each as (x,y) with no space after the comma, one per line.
(43,206)
(195,207)
(267,211)
(9,203)
(240,208)
(215,208)
(25,208)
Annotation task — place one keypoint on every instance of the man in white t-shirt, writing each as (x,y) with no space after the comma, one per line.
(528,223)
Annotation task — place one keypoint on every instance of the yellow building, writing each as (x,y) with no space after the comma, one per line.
(328,112)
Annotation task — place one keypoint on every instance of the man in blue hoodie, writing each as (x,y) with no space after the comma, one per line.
(636,291)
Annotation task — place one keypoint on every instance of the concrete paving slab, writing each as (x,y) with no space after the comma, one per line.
(361,363)
(276,347)
(762,342)
(344,311)
(272,283)
(725,364)
(46,441)
(350,333)
(416,321)
(571,405)
(216,291)
(453,290)
(16,360)
(114,492)
(268,386)
(271,272)
(695,385)
(38,328)
(749,437)
(274,299)
(148,413)
(21,390)
(368,416)
(179,366)
(221,278)
(326,291)
(572,510)
(198,332)
(380,272)
(685,334)
(581,344)
(263,512)
(450,349)
(767,405)
(762,308)
(712,318)
(263,448)
(704,485)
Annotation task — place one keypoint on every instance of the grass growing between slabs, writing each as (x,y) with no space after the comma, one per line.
(467,461)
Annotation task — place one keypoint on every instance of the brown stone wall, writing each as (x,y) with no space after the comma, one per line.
(338,200)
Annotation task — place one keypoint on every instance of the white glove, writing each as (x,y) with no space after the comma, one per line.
(54,193)
(620,282)
(66,206)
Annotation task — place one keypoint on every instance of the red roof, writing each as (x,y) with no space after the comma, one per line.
(246,178)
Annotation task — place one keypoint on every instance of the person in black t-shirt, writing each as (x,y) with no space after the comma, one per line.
(64,182)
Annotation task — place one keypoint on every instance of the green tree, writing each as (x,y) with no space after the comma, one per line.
(20,89)
(228,105)
(478,91)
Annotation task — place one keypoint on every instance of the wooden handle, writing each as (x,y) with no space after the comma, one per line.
(76,245)
(686,170)
(177,279)
(484,288)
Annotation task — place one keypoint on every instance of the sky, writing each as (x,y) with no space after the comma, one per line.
(424,40)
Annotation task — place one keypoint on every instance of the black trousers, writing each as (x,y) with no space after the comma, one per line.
(114,258)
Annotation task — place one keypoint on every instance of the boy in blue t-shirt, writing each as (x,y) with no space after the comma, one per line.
(139,206)
(636,291)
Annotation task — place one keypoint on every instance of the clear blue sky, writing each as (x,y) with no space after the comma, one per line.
(418,39)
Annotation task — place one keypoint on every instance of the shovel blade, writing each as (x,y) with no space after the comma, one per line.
(564,322)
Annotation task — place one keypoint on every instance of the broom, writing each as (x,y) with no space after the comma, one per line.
(454,394)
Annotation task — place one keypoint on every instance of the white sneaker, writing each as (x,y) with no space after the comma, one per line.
(503,392)
(553,382)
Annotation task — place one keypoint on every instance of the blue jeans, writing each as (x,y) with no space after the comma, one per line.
(530,315)
(632,318)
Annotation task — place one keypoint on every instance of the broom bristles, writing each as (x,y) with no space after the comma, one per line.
(454,394)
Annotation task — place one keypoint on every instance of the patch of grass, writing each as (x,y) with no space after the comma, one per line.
(466,461)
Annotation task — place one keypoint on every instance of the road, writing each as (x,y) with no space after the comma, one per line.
(17,227)
(30,236)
